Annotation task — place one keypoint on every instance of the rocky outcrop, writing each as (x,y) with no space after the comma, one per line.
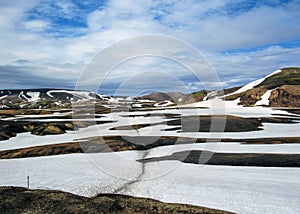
(249,97)
(10,129)
(285,96)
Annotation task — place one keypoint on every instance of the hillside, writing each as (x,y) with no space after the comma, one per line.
(280,89)
(161,96)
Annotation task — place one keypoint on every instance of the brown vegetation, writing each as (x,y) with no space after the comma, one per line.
(22,200)
(124,143)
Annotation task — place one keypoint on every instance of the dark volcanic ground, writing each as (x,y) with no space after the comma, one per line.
(21,200)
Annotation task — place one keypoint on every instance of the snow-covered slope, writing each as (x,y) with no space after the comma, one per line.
(80,95)
(44,98)
(278,89)
(253,84)
(264,99)
(237,189)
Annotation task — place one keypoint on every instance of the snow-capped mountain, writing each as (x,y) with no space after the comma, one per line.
(45,98)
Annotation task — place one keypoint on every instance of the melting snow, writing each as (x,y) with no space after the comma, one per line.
(164,104)
(253,84)
(35,96)
(3,97)
(264,99)
(85,95)
(237,189)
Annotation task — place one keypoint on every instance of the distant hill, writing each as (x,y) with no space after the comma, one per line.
(44,98)
(162,96)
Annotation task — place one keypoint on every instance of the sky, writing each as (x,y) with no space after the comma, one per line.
(49,43)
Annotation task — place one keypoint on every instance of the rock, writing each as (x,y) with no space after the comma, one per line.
(285,96)
(249,97)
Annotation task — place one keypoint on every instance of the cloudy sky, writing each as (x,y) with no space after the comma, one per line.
(48,43)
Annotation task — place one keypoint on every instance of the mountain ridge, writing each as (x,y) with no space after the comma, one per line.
(278,89)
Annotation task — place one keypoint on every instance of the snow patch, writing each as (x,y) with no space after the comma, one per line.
(164,104)
(237,189)
(83,95)
(22,95)
(137,105)
(3,97)
(210,95)
(35,96)
(253,84)
(264,99)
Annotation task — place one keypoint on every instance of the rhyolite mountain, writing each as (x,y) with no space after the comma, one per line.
(279,89)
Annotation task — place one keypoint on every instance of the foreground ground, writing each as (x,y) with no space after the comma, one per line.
(154,153)
(21,200)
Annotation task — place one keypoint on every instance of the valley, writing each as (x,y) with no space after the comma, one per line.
(236,150)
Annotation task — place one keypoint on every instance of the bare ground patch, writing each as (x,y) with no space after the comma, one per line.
(22,200)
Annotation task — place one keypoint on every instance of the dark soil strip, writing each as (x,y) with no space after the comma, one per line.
(233,159)
(47,150)
(294,111)
(132,127)
(160,109)
(210,123)
(167,115)
(65,117)
(119,143)
(21,200)
(287,115)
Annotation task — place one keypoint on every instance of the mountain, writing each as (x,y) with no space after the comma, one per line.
(278,89)
(44,98)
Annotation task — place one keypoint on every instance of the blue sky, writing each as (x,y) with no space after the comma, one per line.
(48,43)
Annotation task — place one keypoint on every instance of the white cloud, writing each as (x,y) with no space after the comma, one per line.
(36,25)
(242,67)
(205,24)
